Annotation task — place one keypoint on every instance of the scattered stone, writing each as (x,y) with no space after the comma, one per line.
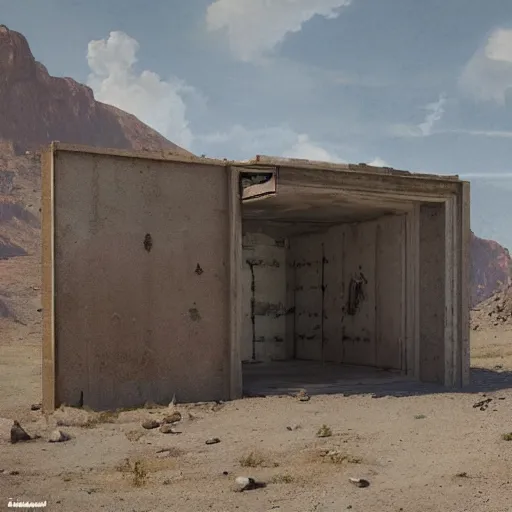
(217,406)
(303,396)
(482,404)
(18,434)
(14,473)
(57,436)
(293,427)
(246,483)
(359,482)
(212,440)
(35,407)
(167,428)
(149,424)
(172,418)
(496,310)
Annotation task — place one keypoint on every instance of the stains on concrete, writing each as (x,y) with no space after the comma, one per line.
(356,293)
(268,309)
(148,242)
(194,314)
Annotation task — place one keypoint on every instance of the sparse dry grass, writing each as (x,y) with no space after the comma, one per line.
(136,470)
(507,436)
(101,418)
(139,470)
(255,459)
(324,431)
(134,435)
(282,478)
(335,456)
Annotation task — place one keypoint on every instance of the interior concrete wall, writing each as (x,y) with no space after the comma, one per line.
(264,291)
(325,263)
(295,298)
(133,325)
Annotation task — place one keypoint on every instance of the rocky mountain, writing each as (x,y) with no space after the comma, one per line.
(491,269)
(36,108)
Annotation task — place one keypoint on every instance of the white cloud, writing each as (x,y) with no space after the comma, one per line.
(157,102)
(255,27)
(435,112)
(488,74)
(272,141)
(305,148)
(378,162)
(496,134)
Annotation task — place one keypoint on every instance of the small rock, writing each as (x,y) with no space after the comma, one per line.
(359,482)
(57,436)
(245,483)
(149,424)
(167,428)
(172,418)
(293,427)
(303,396)
(482,404)
(212,440)
(14,473)
(18,434)
(35,407)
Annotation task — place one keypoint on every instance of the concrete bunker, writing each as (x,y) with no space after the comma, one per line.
(162,274)
(355,266)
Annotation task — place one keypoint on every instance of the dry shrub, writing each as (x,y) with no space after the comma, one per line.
(255,459)
(284,478)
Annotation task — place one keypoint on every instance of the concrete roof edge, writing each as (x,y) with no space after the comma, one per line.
(164,155)
(363,168)
(258,161)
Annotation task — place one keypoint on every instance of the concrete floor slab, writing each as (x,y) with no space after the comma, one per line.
(285,377)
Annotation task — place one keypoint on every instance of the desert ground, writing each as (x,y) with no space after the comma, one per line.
(422,450)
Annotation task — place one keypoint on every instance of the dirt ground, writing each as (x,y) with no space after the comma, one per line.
(426,452)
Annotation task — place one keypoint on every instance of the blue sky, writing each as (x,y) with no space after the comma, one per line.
(424,86)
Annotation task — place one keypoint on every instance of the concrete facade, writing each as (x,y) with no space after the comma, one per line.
(162,273)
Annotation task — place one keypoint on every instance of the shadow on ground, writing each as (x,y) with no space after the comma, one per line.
(281,378)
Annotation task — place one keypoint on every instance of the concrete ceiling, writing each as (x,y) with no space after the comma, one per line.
(299,204)
(297,210)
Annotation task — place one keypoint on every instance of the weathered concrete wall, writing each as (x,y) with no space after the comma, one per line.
(264,298)
(432,262)
(328,324)
(142,262)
